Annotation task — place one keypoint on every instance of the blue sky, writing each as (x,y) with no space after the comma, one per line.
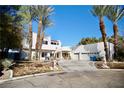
(71,23)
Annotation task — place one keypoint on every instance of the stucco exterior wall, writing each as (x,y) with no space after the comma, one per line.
(85,52)
(47,48)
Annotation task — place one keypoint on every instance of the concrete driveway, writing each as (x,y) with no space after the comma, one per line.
(74,66)
(78,76)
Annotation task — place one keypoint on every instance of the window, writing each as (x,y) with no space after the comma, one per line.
(54,42)
(76,53)
(51,54)
(44,54)
(57,55)
(45,42)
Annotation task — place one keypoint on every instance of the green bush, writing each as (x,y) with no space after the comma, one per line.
(1,67)
(99,58)
(120,53)
(6,63)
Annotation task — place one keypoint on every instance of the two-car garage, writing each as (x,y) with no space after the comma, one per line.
(90,51)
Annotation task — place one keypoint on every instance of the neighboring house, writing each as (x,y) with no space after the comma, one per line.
(50,48)
(87,52)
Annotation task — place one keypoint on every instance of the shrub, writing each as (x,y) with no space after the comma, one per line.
(120,53)
(99,58)
(1,67)
(6,63)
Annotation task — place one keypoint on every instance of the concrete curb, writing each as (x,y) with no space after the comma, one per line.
(112,69)
(33,75)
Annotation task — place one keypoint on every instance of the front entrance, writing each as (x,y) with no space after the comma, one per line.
(66,55)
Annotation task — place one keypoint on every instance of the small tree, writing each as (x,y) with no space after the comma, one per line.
(10,29)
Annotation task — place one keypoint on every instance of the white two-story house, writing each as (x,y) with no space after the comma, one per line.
(49,47)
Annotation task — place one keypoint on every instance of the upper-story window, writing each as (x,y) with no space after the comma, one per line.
(53,42)
(45,42)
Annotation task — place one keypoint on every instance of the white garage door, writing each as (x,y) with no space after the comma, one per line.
(76,56)
(84,57)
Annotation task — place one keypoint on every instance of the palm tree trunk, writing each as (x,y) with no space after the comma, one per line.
(41,41)
(30,40)
(103,32)
(38,36)
(115,29)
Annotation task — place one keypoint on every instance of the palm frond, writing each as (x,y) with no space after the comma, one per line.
(45,12)
(42,10)
(100,10)
(47,22)
(115,13)
(27,14)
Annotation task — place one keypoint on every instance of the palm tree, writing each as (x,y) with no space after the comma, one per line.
(46,23)
(115,14)
(100,12)
(29,15)
(42,12)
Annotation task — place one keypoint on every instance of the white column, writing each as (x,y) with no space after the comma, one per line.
(61,55)
(69,55)
(79,56)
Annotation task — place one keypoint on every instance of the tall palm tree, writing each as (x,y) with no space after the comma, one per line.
(46,23)
(101,11)
(42,12)
(29,15)
(115,14)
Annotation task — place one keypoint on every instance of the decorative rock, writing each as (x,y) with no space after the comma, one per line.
(51,68)
(11,73)
(105,66)
(55,68)
(7,74)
